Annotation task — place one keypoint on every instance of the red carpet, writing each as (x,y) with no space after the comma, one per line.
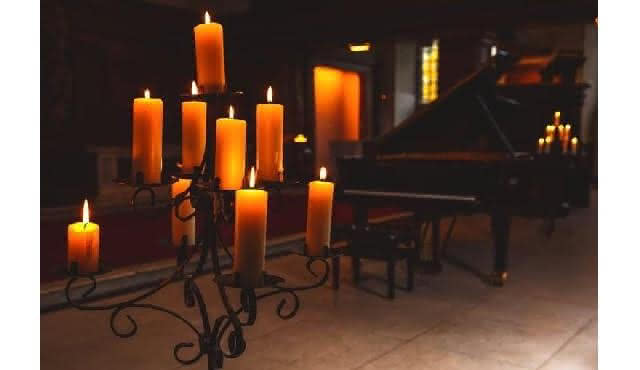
(131,239)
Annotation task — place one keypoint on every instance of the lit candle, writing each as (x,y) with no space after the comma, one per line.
(540,145)
(250,234)
(547,146)
(269,118)
(210,55)
(300,138)
(319,207)
(556,118)
(179,228)
(551,130)
(83,243)
(567,132)
(574,145)
(194,131)
(561,132)
(231,141)
(147,138)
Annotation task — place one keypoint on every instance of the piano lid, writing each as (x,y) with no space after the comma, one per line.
(460,120)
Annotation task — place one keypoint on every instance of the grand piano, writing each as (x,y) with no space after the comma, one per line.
(454,157)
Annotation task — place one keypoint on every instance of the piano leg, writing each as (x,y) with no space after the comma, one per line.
(335,272)
(431,254)
(500,227)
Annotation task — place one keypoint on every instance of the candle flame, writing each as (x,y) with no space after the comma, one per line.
(548,140)
(269,95)
(323,173)
(85,212)
(252,178)
(194,88)
(231,111)
(207,18)
(540,141)
(574,141)
(567,127)
(300,139)
(556,115)
(147,94)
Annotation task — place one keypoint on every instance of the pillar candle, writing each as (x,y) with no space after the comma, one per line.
(540,145)
(574,145)
(194,131)
(567,132)
(231,141)
(561,133)
(556,118)
(269,148)
(147,138)
(83,243)
(547,145)
(209,55)
(565,146)
(181,228)
(551,130)
(250,234)
(319,207)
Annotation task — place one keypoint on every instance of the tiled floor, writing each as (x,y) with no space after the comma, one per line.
(544,318)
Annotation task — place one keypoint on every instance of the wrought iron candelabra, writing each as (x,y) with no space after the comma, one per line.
(212,207)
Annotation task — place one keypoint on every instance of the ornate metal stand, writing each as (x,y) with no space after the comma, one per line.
(212,207)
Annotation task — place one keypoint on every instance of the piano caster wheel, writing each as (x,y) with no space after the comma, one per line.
(431,268)
(497,279)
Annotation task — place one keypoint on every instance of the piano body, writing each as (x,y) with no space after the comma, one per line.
(453,157)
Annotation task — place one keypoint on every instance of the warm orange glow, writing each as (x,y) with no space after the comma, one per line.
(207,18)
(194,88)
(337,109)
(231,111)
(360,47)
(540,141)
(85,212)
(300,139)
(494,50)
(252,178)
(556,115)
(548,140)
(269,95)
(574,141)
(323,173)
(147,94)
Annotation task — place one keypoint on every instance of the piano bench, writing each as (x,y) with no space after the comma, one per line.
(383,243)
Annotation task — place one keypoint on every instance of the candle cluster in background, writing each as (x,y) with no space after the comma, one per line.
(560,133)
(230,168)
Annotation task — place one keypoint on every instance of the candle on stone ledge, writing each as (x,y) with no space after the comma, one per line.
(231,141)
(194,131)
(319,208)
(269,131)
(540,145)
(210,55)
(179,228)
(574,145)
(250,234)
(83,243)
(147,138)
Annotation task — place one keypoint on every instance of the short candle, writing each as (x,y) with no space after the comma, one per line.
(83,243)
(319,208)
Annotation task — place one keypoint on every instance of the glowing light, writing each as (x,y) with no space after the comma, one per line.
(359,47)
(269,95)
(147,94)
(231,111)
(252,178)
(194,88)
(300,139)
(494,50)
(323,173)
(85,212)
(207,18)
(556,115)
(540,141)
(574,141)
(548,140)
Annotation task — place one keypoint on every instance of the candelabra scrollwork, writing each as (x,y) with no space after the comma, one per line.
(225,338)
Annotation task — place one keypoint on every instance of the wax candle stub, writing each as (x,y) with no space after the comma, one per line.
(83,243)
